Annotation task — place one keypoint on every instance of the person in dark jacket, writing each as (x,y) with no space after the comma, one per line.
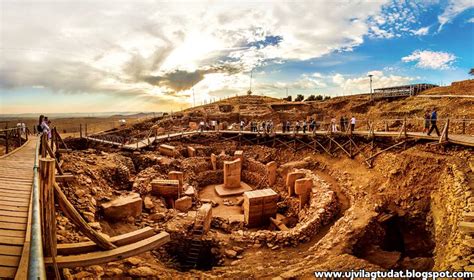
(434,118)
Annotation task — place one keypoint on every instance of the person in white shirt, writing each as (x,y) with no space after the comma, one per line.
(45,127)
(353,123)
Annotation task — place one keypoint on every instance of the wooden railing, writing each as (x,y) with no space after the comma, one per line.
(14,137)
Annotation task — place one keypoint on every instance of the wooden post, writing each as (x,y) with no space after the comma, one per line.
(18,134)
(80,130)
(464,125)
(6,142)
(47,181)
(86,130)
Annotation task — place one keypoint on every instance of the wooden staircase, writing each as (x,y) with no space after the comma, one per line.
(196,243)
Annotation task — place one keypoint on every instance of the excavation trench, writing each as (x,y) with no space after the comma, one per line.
(394,239)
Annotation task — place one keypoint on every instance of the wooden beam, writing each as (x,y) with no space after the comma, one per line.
(112,255)
(77,219)
(340,146)
(66,177)
(119,240)
(384,150)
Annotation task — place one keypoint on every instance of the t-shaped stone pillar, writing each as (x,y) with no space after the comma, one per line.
(271,172)
(290,181)
(303,190)
(232,184)
(232,171)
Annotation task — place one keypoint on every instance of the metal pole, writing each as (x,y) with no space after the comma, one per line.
(36,269)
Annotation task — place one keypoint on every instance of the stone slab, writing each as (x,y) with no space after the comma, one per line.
(223,191)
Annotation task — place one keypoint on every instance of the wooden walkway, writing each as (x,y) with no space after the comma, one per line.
(460,139)
(16,180)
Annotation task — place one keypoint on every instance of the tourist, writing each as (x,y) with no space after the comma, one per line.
(304,127)
(45,124)
(434,118)
(427,118)
(333,125)
(342,124)
(297,126)
(353,123)
(242,125)
(39,128)
(201,126)
(311,124)
(288,126)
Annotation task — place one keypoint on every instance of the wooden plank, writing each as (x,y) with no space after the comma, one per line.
(19,188)
(9,260)
(10,250)
(468,216)
(14,201)
(12,233)
(7,225)
(111,255)
(13,208)
(20,220)
(7,272)
(119,240)
(12,240)
(467,227)
(14,194)
(13,214)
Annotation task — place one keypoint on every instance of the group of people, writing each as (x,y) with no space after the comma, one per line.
(430,122)
(266,126)
(43,126)
(344,123)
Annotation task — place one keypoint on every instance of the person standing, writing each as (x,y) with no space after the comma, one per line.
(333,125)
(341,124)
(427,118)
(45,127)
(434,118)
(241,125)
(304,126)
(353,123)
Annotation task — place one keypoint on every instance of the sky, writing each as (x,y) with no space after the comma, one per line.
(60,56)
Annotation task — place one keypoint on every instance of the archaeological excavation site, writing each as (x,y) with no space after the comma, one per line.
(229,202)
(208,193)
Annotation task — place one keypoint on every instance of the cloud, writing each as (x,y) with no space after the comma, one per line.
(422,31)
(471,20)
(430,59)
(454,8)
(149,48)
(361,84)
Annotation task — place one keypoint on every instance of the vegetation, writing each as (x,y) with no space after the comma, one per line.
(299,98)
(288,98)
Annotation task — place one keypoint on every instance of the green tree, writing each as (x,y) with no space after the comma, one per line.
(327,97)
(471,72)
(311,98)
(288,98)
(299,98)
(319,97)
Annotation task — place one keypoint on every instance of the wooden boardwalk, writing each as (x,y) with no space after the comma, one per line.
(460,139)
(16,180)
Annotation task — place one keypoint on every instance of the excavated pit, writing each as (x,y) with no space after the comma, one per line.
(383,218)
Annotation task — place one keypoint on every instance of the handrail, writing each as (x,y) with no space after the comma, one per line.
(36,268)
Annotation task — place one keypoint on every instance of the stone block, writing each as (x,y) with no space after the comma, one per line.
(232,173)
(259,206)
(183,204)
(205,211)
(290,181)
(167,150)
(303,186)
(165,188)
(214,162)
(271,169)
(191,151)
(177,175)
(239,154)
(123,207)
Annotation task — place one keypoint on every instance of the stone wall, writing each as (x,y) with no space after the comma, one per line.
(454,197)
(323,208)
